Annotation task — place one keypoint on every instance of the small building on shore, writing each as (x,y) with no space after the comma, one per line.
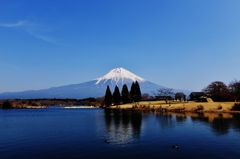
(198,96)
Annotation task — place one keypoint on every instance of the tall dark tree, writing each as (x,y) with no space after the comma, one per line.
(116,96)
(108,97)
(138,92)
(135,92)
(217,90)
(125,94)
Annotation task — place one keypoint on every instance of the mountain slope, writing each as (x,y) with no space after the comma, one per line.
(94,88)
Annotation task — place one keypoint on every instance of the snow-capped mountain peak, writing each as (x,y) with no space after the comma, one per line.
(119,75)
(93,88)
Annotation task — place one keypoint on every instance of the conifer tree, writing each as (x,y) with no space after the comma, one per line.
(125,94)
(138,92)
(116,96)
(133,92)
(108,97)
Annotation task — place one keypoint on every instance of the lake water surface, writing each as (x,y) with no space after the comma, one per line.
(81,133)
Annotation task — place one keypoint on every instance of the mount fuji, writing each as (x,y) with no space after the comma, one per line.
(93,88)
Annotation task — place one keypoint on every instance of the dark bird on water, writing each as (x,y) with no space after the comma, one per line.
(175,146)
(107,141)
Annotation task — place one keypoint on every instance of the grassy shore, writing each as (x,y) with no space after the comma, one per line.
(176,106)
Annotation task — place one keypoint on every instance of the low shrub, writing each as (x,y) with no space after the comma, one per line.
(200,107)
(219,107)
(236,106)
(7,105)
(36,104)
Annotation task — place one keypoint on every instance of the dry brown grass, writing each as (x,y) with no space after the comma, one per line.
(182,106)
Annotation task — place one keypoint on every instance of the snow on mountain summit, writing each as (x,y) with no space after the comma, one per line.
(119,75)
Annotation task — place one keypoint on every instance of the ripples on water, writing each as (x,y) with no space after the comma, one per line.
(81,133)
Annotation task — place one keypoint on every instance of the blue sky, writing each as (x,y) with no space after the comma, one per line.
(183,44)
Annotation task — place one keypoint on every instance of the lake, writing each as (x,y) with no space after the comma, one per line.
(58,132)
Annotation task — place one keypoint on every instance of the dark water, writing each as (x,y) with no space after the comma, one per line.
(81,133)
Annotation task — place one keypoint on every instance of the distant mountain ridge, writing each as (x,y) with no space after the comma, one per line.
(93,88)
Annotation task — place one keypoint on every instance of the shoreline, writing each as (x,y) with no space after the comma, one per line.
(175,106)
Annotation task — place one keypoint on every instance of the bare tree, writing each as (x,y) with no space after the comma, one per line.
(165,93)
(145,96)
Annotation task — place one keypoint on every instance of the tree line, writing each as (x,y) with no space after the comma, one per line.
(216,90)
(126,96)
(22,103)
(219,91)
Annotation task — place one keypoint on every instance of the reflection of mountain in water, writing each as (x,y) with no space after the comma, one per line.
(123,125)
